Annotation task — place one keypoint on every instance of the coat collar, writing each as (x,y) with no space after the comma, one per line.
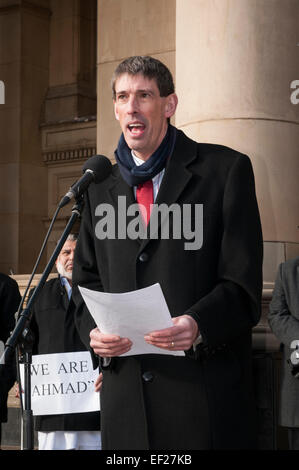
(177,175)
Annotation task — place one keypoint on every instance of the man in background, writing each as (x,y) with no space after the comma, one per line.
(54,331)
(284,322)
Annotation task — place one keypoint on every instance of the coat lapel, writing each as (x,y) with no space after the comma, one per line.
(118,188)
(62,293)
(177,175)
(175,179)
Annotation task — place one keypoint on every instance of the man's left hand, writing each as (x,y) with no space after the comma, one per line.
(98,383)
(179,337)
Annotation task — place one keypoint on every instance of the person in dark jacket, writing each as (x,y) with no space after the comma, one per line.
(284,322)
(209,267)
(54,330)
(9,301)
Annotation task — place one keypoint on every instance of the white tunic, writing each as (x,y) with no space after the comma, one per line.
(69,440)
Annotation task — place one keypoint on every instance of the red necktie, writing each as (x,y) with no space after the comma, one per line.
(145,197)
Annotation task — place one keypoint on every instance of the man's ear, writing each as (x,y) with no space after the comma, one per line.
(115,110)
(171,105)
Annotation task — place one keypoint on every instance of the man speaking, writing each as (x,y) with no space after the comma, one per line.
(204,399)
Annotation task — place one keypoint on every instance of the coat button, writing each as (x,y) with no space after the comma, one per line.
(148,376)
(143,257)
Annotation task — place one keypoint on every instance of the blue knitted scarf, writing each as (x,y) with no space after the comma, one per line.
(135,175)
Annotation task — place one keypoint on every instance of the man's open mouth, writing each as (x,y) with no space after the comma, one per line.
(137,128)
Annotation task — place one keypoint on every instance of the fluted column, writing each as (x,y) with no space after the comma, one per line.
(235,63)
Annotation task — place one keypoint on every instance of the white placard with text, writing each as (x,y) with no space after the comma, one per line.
(62,383)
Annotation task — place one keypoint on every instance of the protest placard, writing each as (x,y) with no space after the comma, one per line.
(62,383)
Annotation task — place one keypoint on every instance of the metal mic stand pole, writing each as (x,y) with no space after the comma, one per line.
(25,347)
(21,333)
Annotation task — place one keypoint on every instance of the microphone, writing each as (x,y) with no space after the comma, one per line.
(96,169)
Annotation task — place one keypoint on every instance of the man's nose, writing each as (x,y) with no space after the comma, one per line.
(132,104)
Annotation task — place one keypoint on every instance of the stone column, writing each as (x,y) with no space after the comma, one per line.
(235,63)
(24,45)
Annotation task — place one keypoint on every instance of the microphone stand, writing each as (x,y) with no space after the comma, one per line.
(21,335)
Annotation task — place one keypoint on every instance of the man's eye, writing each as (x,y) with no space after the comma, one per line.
(121,97)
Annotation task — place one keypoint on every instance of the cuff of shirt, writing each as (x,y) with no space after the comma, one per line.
(199,339)
(197,342)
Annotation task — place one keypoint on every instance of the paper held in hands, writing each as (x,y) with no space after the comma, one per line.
(131,315)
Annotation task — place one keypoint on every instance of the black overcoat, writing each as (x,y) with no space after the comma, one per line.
(54,330)
(166,402)
(9,302)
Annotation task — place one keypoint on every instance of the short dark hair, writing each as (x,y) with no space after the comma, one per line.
(148,67)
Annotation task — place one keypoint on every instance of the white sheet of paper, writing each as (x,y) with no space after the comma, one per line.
(131,315)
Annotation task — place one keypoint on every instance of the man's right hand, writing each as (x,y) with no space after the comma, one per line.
(105,345)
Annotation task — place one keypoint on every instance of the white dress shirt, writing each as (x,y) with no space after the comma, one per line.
(157,180)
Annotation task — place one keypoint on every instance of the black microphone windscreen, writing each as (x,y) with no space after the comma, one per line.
(100,165)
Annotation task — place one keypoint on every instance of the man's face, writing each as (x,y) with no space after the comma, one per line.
(142,113)
(64,262)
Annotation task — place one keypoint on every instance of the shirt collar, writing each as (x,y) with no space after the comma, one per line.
(64,282)
(138,161)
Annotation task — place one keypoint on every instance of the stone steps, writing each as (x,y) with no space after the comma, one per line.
(10,448)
